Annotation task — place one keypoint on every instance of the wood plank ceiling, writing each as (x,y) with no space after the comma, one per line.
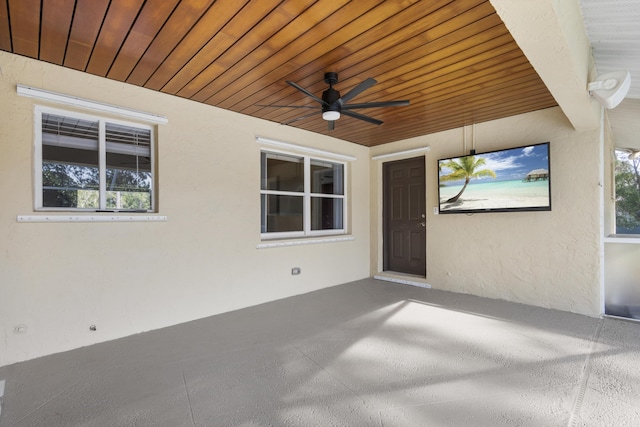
(454,60)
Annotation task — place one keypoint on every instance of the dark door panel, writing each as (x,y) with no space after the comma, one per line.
(404,216)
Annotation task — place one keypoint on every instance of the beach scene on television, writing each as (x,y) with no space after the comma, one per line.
(516,178)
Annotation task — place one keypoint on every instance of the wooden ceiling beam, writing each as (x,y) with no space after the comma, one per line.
(184,17)
(454,60)
(115,29)
(416,70)
(247,19)
(442,80)
(5,31)
(351,51)
(25,27)
(85,26)
(200,38)
(56,21)
(272,56)
(148,24)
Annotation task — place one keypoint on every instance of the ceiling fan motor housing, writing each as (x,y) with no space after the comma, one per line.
(330,78)
(330,96)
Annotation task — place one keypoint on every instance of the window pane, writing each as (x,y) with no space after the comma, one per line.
(282,173)
(69,162)
(129,173)
(326,177)
(627,175)
(281,213)
(326,213)
(128,189)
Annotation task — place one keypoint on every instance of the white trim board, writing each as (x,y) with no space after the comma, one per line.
(303,242)
(32,92)
(91,218)
(628,240)
(401,153)
(290,146)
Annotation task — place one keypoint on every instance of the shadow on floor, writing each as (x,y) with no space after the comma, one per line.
(367,353)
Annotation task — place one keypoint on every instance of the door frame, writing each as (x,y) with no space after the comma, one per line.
(378,261)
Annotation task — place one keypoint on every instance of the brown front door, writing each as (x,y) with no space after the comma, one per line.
(404,216)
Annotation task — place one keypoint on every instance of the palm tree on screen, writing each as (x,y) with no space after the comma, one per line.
(465,168)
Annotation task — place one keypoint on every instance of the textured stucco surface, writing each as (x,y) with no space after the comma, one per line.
(367,353)
(553,37)
(57,279)
(548,259)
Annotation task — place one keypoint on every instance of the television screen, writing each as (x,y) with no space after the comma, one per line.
(515,179)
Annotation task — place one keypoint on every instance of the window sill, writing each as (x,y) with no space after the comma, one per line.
(281,243)
(91,218)
(623,238)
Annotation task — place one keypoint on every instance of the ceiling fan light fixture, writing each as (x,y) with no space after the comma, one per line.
(331,115)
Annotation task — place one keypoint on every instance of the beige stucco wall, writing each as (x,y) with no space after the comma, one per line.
(608,178)
(548,259)
(57,279)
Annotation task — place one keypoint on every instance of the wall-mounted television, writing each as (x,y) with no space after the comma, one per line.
(514,179)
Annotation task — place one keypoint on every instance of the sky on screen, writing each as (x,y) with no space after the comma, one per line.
(512,164)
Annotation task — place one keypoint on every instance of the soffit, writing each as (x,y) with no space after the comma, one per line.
(614,34)
(453,59)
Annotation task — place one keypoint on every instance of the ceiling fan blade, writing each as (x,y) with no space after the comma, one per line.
(288,106)
(306,116)
(376,104)
(306,92)
(357,90)
(361,117)
(331,125)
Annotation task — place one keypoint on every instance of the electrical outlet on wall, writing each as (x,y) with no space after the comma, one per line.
(295,271)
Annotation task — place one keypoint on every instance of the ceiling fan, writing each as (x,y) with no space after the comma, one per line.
(333,105)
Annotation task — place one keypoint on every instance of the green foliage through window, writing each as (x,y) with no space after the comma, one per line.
(90,163)
(627,176)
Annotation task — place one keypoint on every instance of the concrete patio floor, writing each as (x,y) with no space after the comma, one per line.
(367,353)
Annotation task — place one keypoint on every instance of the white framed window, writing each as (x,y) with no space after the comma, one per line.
(91,163)
(627,191)
(301,195)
